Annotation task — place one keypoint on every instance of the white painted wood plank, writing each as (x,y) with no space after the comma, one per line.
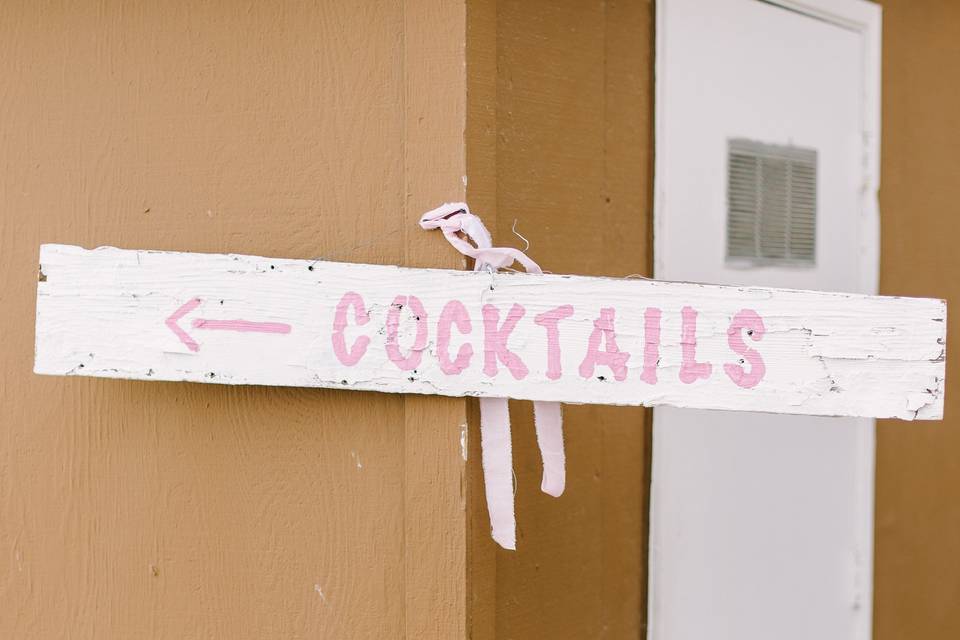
(109,312)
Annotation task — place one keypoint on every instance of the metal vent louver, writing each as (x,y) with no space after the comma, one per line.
(771,203)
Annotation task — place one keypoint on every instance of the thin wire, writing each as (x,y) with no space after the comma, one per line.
(517,233)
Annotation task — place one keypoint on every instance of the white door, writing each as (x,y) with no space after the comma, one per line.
(761,525)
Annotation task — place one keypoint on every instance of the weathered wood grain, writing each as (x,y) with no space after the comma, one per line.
(130,314)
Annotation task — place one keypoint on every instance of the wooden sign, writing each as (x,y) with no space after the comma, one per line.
(234,319)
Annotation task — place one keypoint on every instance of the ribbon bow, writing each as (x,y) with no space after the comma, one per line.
(459,225)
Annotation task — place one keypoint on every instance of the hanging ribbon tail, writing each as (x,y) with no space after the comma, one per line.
(549,419)
(454,219)
(498,470)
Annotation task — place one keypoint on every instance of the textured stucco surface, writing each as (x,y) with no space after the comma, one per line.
(169,510)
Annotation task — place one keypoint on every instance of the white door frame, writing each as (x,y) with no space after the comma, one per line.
(864,17)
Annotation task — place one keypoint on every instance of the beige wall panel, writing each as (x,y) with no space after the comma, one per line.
(562,143)
(917,585)
(159,510)
(481,152)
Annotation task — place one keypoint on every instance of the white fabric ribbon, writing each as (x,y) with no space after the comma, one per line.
(454,219)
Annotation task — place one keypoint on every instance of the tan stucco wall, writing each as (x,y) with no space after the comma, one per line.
(917,581)
(560,140)
(160,510)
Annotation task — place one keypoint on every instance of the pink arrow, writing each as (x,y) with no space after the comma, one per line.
(217,325)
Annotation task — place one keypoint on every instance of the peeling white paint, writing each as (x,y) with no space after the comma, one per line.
(463,441)
(107,313)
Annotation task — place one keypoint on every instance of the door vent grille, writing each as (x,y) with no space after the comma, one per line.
(771,204)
